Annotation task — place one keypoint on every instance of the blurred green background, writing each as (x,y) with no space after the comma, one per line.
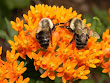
(95,11)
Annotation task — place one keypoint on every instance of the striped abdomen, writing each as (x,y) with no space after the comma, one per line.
(43,38)
(81,41)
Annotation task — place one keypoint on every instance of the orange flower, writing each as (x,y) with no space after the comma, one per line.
(18,69)
(81,72)
(18,26)
(0,50)
(91,61)
(24,44)
(51,66)
(105,43)
(55,39)
(48,73)
(4,81)
(3,70)
(14,70)
(20,80)
(38,59)
(10,71)
(11,56)
(106,67)
(67,70)
(106,35)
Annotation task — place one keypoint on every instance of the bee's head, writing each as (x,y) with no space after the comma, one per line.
(75,23)
(45,22)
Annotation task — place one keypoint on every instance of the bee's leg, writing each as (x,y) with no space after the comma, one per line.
(51,39)
(50,35)
(67,28)
(61,23)
(57,25)
(71,40)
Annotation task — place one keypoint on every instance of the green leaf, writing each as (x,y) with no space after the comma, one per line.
(39,81)
(18,61)
(87,81)
(58,80)
(108,27)
(4,35)
(11,31)
(103,77)
(97,26)
(98,20)
(17,3)
(102,14)
(2,23)
(32,81)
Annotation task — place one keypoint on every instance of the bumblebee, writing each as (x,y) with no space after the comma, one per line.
(81,33)
(44,32)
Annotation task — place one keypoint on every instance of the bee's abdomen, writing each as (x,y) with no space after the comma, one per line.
(79,43)
(43,39)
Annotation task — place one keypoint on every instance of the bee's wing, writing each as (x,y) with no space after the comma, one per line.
(94,34)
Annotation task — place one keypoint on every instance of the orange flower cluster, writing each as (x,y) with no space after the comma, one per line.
(106,52)
(69,62)
(10,71)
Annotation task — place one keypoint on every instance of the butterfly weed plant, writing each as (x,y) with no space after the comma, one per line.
(59,60)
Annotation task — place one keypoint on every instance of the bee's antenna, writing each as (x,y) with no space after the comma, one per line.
(70,42)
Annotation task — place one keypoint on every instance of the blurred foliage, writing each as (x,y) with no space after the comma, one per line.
(87,81)
(39,81)
(100,80)
(6,13)
(103,15)
(12,4)
(11,32)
